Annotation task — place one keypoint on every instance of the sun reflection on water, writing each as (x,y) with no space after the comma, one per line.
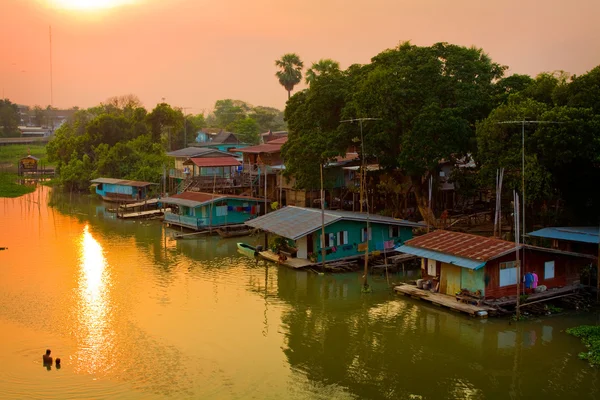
(94,307)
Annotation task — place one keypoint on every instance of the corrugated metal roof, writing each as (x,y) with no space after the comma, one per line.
(229,161)
(192,152)
(195,199)
(446,258)
(122,182)
(584,234)
(295,222)
(274,146)
(463,245)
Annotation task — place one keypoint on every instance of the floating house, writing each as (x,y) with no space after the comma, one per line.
(583,239)
(200,211)
(345,232)
(488,266)
(123,191)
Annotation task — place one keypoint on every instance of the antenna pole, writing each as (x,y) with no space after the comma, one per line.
(51,85)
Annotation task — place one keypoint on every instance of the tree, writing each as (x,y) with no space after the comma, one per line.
(313,118)
(229,111)
(322,67)
(268,118)
(428,100)
(290,73)
(9,118)
(164,120)
(247,130)
(584,90)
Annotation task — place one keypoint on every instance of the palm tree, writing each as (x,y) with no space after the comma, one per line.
(321,67)
(291,71)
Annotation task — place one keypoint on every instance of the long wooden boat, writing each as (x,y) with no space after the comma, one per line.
(247,250)
(234,231)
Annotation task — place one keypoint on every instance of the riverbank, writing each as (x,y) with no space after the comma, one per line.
(9,186)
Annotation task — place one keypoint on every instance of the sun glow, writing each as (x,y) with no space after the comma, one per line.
(89,5)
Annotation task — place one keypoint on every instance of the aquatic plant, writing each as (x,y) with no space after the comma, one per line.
(590,337)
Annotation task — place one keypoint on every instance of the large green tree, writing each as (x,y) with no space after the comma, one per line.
(290,71)
(9,118)
(322,67)
(428,100)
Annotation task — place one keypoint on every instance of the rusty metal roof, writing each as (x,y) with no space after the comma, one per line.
(295,222)
(463,245)
(274,146)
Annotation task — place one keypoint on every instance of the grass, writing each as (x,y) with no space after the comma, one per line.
(11,154)
(10,188)
(590,337)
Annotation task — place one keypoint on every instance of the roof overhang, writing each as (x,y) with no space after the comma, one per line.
(442,257)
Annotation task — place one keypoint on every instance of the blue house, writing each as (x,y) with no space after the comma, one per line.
(199,211)
(226,142)
(121,190)
(346,233)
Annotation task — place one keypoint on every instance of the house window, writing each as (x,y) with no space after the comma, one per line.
(221,211)
(394,231)
(342,238)
(329,240)
(508,273)
(431,267)
(549,270)
(554,244)
(363,234)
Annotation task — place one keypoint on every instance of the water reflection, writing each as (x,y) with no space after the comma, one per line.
(94,306)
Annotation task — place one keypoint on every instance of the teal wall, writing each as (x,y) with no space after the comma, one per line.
(473,280)
(380,233)
(105,189)
(200,217)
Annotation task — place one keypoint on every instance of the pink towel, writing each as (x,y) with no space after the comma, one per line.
(535,280)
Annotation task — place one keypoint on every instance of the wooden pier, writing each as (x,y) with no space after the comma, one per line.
(443,300)
(295,263)
(145,203)
(144,214)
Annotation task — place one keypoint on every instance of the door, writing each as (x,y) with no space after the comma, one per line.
(309,244)
(450,279)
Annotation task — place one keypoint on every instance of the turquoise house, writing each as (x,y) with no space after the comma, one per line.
(198,210)
(346,233)
(226,142)
(121,190)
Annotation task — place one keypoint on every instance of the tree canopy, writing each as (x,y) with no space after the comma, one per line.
(290,71)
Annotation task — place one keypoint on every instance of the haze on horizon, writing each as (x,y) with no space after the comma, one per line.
(193,52)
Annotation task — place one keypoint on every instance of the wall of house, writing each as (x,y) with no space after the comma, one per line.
(567,271)
(302,246)
(379,234)
(200,217)
(120,191)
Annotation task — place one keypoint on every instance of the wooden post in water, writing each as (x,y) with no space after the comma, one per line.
(518,262)
(323,253)
(598,270)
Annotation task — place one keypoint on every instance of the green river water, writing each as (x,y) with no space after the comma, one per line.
(134,314)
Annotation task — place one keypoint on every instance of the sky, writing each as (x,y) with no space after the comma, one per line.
(193,52)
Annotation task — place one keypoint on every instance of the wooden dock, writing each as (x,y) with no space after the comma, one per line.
(144,214)
(295,263)
(444,300)
(130,206)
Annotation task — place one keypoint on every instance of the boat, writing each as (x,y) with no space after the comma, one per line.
(234,231)
(247,250)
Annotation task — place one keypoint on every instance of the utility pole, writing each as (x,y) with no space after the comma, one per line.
(51,85)
(523,123)
(184,126)
(363,168)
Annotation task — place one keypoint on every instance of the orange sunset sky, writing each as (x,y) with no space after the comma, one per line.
(193,52)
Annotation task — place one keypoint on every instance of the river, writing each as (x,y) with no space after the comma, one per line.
(134,314)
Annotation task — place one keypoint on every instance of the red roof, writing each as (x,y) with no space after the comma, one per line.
(202,197)
(463,245)
(274,146)
(215,161)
